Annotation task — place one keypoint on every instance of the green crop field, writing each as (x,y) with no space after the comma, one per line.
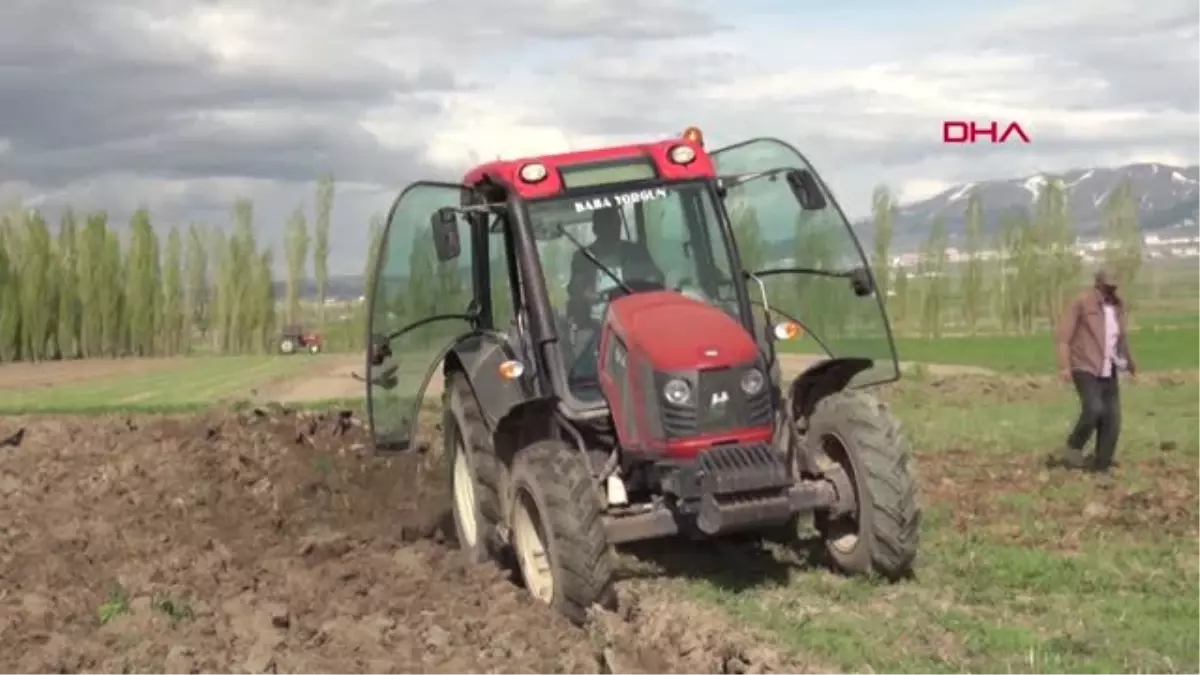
(1156,349)
(181,384)
(1023,569)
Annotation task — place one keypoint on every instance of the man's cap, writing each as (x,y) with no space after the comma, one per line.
(1105,277)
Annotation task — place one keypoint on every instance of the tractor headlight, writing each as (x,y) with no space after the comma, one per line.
(752,381)
(677,392)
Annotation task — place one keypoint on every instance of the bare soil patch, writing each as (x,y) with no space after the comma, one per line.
(272,541)
(984,488)
(794,364)
(334,378)
(58,373)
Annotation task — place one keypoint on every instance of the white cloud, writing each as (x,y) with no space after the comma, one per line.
(183,106)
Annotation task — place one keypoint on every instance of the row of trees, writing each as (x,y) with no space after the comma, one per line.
(87,291)
(1015,280)
(1018,280)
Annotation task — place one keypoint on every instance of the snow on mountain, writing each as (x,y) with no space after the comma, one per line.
(1167,197)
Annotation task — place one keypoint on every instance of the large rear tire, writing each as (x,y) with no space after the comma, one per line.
(287,346)
(858,433)
(474,502)
(558,532)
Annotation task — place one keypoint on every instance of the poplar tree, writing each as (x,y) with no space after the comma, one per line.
(296,242)
(39,302)
(92,291)
(1059,264)
(111,301)
(324,212)
(748,232)
(935,283)
(263,288)
(883,214)
(972,295)
(70,311)
(197,295)
(222,289)
(10,294)
(1123,233)
(174,332)
(143,286)
(372,262)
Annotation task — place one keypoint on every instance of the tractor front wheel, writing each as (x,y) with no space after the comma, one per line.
(314,349)
(856,432)
(557,530)
(474,501)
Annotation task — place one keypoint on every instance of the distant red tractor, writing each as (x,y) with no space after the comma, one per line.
(294,338)
(611,360)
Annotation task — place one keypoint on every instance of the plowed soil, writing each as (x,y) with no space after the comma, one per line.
(272,541)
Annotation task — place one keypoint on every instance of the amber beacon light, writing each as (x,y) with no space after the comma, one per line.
(694,135)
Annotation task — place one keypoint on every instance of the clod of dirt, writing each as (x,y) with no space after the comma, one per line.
(14,440)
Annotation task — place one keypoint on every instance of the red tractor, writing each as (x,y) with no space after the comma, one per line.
(293,338)
(638,392)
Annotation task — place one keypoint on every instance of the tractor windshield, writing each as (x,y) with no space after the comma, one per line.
(807,260)
(597,247)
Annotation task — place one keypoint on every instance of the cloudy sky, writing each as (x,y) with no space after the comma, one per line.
(183,105)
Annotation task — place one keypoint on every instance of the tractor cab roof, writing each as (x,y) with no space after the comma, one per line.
(530,182)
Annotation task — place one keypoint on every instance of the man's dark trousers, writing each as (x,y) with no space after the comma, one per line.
(1100,411)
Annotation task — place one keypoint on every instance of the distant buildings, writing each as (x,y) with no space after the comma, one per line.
(1154,247)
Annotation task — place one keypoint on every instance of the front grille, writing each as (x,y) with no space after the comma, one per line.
(718,405)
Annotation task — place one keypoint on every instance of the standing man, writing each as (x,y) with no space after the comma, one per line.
(1092,347)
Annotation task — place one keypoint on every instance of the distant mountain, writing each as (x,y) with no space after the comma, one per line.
(1168,197)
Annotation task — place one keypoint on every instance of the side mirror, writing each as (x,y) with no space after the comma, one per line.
(806,189)
(861,282)
(444,223)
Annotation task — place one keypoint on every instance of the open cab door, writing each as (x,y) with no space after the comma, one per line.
(807,258)
(417,310)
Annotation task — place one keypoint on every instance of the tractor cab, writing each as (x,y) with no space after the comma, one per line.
(532,252)
(658,339)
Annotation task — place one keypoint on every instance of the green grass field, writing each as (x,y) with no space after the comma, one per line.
(1023,569)
(1155,349)
(186,384)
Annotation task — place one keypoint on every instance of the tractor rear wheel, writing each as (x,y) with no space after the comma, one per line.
(287,346)
(856,432)
(474,501)
(557,530)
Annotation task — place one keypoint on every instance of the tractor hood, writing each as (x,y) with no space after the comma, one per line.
(676,332)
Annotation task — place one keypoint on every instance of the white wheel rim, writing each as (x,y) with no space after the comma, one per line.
(531,553)
(464,499)
(846,543)
(287,346)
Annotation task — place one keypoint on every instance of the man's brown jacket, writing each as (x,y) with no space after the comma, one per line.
(1080,341)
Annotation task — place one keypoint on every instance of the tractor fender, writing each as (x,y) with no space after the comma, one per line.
(478,356)
(818,381)
(821,380)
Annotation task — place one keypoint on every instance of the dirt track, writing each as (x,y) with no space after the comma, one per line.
(270,542)
(56,373)
(334,379)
